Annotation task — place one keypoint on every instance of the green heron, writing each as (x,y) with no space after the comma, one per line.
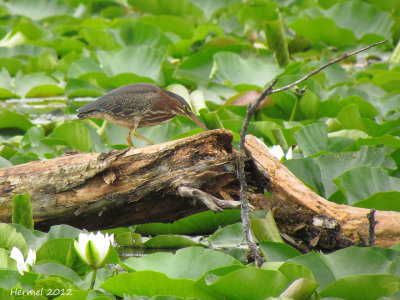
(138,105)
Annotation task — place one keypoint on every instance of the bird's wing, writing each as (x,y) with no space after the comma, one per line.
(127,103)
(123,102)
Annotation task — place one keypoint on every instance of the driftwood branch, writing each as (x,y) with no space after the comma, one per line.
(301,212)
(121,188)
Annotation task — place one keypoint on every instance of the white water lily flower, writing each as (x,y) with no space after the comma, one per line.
(94,248)
(289,153)
(23,265)
(277,151)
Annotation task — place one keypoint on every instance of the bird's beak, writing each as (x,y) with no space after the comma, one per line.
(195,119)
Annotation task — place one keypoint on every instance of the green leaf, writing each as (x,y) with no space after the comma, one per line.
(129,238)
(300,289)
(23,50)
(294,271)
(182,8)
(45,90)
(335,75)
(9,119)
(309,103)
(381,201)
(317,265)
(312,138)
(37,85)
(62,231)
(143,61)
(369,21)
(209,7)
(274,251)
(6,90)
(38,10)
(197,67)
(187,263)
(231,69)
(201,223)
(356,260)
(10,279)
(263,284)
(362,182)
(5,260)
(10,238)
(229,236)
(148,283)
(52,268)
(350,117)
(22,210)
(139,33)
(65,45)
(333,165)
(168,23)
(4,163)
(365,109)
(13,66)
(170,241)
(80,88)
(99,38)
(55,250)
(387,80)
(265,229)
(54,285)
(83,66)
(308,171)
(388,104)
(257,15)
(33,238)
(76,135)
(45,62)
(332,35)
(395,57)
(368,287)
(266,16)
(33,136)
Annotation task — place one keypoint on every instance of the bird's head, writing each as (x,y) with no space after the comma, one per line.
(182,108)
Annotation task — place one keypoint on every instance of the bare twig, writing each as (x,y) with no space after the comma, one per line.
(208,200)
(344,56)
(372,224)
(256,254)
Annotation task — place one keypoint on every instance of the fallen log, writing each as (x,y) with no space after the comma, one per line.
(294,196)
(121,188)
(164,182)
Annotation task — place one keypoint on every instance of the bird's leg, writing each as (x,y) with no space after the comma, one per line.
(141,137)
(128,138)
(137,121)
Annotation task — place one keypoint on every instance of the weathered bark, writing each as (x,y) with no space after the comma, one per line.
(121,188)
(152,184)
(294,196)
